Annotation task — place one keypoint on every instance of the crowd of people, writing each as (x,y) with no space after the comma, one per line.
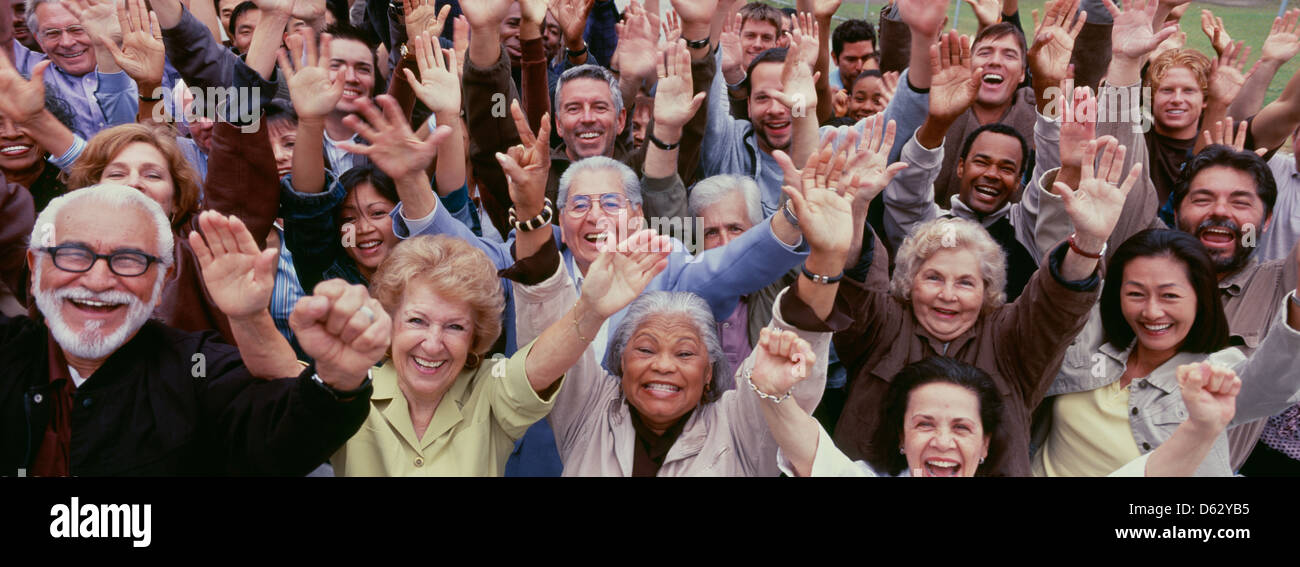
(644,238)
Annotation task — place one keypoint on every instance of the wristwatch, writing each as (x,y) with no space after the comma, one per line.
(569,53)
(340,395)
(697,43)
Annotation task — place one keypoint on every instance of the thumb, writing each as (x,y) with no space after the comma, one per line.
(265,266)
(308,311)
(38,72)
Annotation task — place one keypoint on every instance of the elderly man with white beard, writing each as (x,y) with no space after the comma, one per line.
(93,387)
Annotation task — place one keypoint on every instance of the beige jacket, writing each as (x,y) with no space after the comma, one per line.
(593,428)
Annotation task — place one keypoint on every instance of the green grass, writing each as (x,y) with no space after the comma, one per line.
(1250,24)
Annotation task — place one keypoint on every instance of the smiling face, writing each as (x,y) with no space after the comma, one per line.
(552,37)
(725,220)
(365,214)
(284,134)
(583,234)
(942,432)
(144,167)
(72,52)
(225,9)
(432,336)
(990,174)
(1004,69)
(756,36)
(587,119)
(1220,206)
(357,64)
(21,33)
(1177,103)
(665,368)
(867,98)
(1159,304)
(773,122)
(92,314)
(18,151)
(510,33)
(244,30)
(948,293)
(855,58)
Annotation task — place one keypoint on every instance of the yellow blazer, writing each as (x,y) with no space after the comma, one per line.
(471,434)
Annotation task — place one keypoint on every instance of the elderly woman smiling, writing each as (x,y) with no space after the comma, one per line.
(946,300)
(656,412)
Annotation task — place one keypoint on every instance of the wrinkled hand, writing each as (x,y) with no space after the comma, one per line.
(1210,394)
(868,170)
(1221,133)
(394,148)
(781,360)
(1226,73)
(620,273)
(1049,56)
(343,329)
(485,13)
(23,99)
(421,17)
(572,17)
(924,17)
(1078,125)
(99,17)
(988,12)
(438,86)
(1095,207)
(141,54)
(675,101)
(237,274)
(820,199)
(954,84)
(1131,34)
(1283,40)
(1215,30)
(528,165)
(311,90)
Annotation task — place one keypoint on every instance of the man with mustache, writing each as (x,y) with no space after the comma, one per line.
(21,33)
(93,387)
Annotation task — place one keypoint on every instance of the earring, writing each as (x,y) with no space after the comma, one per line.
(901,451)
(472,360)
(981,460)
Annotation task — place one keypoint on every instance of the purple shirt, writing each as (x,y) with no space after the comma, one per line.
(97,100)
(734,331)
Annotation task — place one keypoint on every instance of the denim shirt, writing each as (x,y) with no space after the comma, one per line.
(1270,383)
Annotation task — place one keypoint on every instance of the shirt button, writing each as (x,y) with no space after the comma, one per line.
(1135,411)
(419,462)
(37,398)
(85,403)
(726,325)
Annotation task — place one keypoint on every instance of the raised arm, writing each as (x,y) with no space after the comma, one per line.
(1095,206)
(822,11)
(1210,394)
(674,106)
(1132,38)
(1049,56)
(1282,43)
(24,103)
(314,96)
(99,18)
(141,54)
(1227,76)
(781,362)
(800,94)
(528,168)
(1274,124)
(398,152)
(439,89)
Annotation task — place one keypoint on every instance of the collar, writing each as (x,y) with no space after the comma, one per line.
(960,209)
(1235,283)
(388,400)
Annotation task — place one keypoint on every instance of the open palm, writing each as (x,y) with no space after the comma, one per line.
(1049,57)
(1095,206)
(1131,34)
(238,275)
(141,54)
(439,85)
(619,276)
(310,89)
(953,85)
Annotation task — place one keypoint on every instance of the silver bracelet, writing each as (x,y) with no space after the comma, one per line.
(749,373)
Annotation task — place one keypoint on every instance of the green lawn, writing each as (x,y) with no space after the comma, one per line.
(1243,23)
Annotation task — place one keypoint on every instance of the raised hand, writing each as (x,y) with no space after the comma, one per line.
(460,42)
(1226,73)
(953,84)
(840,103)
(312,92)
(1210,394)
(421,16)
(1078,125)
(1221,133)
(308,10)
(1283,40)
(141,54)
(1131,35)
(621,273)
(800,94)
(439,85)
(823,9)
(695,10)
(99,17)
(988,12)
(1049,56)
(672,27)
(820,200)
(1096,205)
(867,169)
(733,56)
(343,329)
(804,31)
(394,148)
(1176,41)
(237,274)
(782,359)
(1215,30)
(889,80)
(572,17)
(528,165)
(637,51)
(675,102)
(925,17)
(23,99)
(485,13)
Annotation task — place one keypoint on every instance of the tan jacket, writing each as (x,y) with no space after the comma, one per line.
(593,428)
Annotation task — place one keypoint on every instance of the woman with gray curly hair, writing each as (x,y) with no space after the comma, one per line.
(946,299)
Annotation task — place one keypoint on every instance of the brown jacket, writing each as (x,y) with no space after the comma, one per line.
(1021,345)
(1021,116)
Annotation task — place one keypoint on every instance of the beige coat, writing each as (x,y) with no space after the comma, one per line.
(593,428)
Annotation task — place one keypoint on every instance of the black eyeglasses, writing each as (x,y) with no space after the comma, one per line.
(79,259)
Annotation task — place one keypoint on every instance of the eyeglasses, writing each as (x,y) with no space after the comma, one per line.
(77,32)
(611,203)
(79,259)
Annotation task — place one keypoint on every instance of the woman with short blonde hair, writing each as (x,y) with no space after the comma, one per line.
(954,232)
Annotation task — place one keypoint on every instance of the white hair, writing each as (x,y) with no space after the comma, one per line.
(631,186)
(107,196)
(30,16)
(708,192)
(672,304)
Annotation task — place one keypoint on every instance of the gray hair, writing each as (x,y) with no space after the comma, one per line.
(587,71)
(631,185)
(30,16)
(708,192)
(668,304)
(106,196)
(938,234)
